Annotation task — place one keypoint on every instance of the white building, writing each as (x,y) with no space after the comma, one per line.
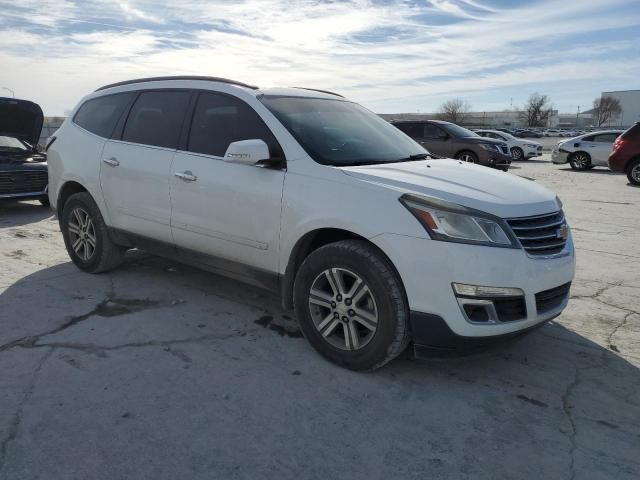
(630,103)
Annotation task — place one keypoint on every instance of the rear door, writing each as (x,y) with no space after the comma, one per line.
(228,211)
(601,148)
(135,170)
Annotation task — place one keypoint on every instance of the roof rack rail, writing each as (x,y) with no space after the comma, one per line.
(321,91)
(178,77)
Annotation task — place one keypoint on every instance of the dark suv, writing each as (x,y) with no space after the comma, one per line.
(625,156)
(23,169)
(450,140)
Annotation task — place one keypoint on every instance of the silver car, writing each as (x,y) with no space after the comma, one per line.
(586,151)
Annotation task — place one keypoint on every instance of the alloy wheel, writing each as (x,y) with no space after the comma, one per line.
(467,157)
(343,309)
(516,154)
(581,160)
(635,173)
(82,234)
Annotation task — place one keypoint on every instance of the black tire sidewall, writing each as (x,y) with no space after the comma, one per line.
(575,166)
(633,164)
(84,201)
(517,149)
(389,312)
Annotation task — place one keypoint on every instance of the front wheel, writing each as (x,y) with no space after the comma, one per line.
(633,172)
(351,305)
(580,161)
(517,153)
(467,156)
(86,237)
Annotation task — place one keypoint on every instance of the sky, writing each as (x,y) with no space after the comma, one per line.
(391,56)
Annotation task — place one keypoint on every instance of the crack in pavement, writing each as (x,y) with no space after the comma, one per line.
(110,306)
(621,324)
(14,426)
(566,408)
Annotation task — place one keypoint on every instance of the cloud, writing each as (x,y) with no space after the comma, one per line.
(390,55)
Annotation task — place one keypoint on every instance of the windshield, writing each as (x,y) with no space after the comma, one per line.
(458,131)
(341,133)
(12,143)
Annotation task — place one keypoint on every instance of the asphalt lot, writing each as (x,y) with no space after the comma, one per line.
(157,370)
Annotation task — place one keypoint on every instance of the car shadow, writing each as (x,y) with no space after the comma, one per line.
(16,214)
(596,170)
(531,161)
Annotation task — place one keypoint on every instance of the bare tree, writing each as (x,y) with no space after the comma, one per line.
(454,110)
(537,111)
(606,108)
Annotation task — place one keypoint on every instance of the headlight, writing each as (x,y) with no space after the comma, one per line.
(450,222)
(489,146)
(531,145)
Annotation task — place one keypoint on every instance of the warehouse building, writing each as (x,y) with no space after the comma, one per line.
(630,103)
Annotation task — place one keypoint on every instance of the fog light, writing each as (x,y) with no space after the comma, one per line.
(482,291)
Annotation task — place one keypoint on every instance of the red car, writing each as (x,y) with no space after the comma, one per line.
(625,156)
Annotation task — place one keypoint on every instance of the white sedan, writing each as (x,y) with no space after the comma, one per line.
(586,151)
(520,148)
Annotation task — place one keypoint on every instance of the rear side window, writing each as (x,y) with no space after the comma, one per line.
(219,120)
(414,130)
(606,138)
(101,115)
(156,118)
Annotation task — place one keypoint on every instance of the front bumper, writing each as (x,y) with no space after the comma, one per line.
(429,267)
(559,157)
(530,152)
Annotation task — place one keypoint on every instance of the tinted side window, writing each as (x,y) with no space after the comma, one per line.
(589,138)
(219,120)
(431,131)
(414,130)
(606,138)
(156,118)
(100,115)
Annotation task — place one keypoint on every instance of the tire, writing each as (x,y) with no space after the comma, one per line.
(633,172)
(352,340)
(467,156)
(517,153)
(44,202)
(580,161)
(82,222)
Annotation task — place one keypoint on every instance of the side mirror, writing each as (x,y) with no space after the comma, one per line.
(247,152)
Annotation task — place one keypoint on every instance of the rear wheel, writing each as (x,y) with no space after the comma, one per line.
(517,153)
(351,305)
(580,161)
(86,237)
(467,156)
(633,172)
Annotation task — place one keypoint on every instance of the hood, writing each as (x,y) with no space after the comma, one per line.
(499,193)
(21,119)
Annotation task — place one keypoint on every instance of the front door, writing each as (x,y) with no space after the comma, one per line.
(229,211)
(134,175)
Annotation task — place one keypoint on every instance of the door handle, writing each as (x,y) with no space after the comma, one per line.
(111,161)
(187,176)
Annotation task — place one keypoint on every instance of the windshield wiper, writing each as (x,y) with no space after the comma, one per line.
(412,158)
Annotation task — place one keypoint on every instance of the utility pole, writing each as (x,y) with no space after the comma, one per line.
(578,117)
(13,94)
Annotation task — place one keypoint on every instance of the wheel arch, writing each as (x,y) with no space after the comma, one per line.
(465,149)
(68,188)
(310,242)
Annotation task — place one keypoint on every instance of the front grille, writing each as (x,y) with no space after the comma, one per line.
(25,181)
(539,148)
(551,299)
(542,234)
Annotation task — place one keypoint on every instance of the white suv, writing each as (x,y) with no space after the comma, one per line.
(374,243)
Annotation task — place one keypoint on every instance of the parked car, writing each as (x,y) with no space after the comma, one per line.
(374,244)
(23,169)
(452,141)
(625,156)
(585,151)
(520,149)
